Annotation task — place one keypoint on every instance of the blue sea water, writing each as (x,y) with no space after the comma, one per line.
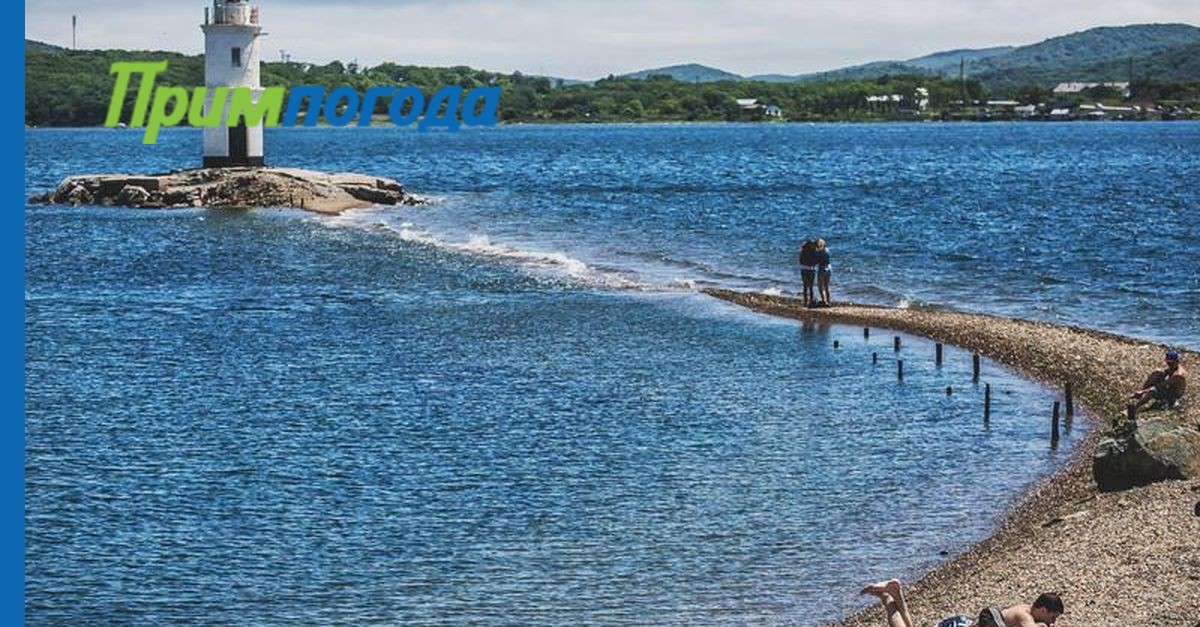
(511,406)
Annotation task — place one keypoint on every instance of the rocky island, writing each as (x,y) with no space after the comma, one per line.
(244,187)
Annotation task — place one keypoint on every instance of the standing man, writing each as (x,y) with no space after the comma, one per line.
(808,270)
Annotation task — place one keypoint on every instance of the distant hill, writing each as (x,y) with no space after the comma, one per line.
(1177,64)
(688,73)
(871,70)
(1091,46)
(1094,54)
(947,62)
(44,48)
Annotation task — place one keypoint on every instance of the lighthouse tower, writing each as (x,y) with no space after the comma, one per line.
(231,55)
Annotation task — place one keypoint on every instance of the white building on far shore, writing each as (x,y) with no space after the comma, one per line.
(1075,88)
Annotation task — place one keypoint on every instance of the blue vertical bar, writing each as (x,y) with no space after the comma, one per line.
(12,352)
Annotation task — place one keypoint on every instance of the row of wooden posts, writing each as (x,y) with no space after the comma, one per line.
(1068,388)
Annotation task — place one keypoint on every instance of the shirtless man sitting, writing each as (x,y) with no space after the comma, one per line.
(1042,613)
(1166,386)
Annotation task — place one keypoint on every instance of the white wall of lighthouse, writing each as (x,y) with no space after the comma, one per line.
(232,54)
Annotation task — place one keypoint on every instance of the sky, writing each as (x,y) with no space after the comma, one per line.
(594,38)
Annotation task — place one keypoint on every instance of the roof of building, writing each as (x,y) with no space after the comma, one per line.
(1072,88)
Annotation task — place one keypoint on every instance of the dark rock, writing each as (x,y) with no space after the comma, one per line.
(376,194)
(1141,452)
(110,187)
(391,186)
(178,198)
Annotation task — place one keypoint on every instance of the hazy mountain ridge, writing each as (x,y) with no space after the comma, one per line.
(1158,50)
(949,59)
(688,73)
(1094,45)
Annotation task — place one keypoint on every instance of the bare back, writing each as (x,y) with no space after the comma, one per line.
(1020,616)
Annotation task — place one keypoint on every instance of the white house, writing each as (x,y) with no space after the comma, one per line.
(748,104)
(773,111)
(1074,88)
(922,98)
(232,37)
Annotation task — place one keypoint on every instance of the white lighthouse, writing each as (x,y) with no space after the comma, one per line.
(231,55)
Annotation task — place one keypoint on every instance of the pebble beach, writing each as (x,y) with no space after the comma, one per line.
(1118,558)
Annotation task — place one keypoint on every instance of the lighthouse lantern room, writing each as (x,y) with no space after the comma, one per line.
(231,56)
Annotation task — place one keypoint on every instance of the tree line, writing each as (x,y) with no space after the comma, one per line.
(68,88)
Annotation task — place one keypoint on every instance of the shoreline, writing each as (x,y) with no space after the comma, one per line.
(1119,558)
(584,122)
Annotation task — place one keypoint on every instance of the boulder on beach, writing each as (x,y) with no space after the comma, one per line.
(1141,452)
(232,187)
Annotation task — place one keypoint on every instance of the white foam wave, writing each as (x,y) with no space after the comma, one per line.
(553,263)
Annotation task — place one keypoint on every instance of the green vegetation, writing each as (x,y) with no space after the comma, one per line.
(65,88)
(68,88)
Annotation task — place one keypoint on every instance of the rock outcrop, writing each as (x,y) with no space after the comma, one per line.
(232,187)
(1141,452)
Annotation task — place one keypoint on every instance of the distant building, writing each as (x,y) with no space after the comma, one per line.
(773,111)
(1026,111)
(748,104)
(1075,88)
(1060,114)
(1003,103)
(922,98)
(896,98)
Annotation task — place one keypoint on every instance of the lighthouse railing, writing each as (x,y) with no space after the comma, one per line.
(235,14)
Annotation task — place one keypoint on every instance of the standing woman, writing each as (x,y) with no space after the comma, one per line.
(808,270)
(824,273)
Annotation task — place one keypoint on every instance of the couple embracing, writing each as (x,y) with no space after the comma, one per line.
(815,267)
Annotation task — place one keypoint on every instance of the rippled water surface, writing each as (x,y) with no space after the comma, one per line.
(510,406)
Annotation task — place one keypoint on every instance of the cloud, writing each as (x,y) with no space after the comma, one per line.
(589,39)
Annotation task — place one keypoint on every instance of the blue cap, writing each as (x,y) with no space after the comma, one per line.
(1172,355)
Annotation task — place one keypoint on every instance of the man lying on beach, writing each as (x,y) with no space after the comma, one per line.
(1042,613)
(1165,386)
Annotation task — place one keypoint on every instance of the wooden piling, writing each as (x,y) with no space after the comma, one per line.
(866,333)
(975,368)
(987,403)
(874,358)
(938,351)
(1054,426)
(949,390)
(896,344)
(1069,393)
(900,369)
(837,344)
